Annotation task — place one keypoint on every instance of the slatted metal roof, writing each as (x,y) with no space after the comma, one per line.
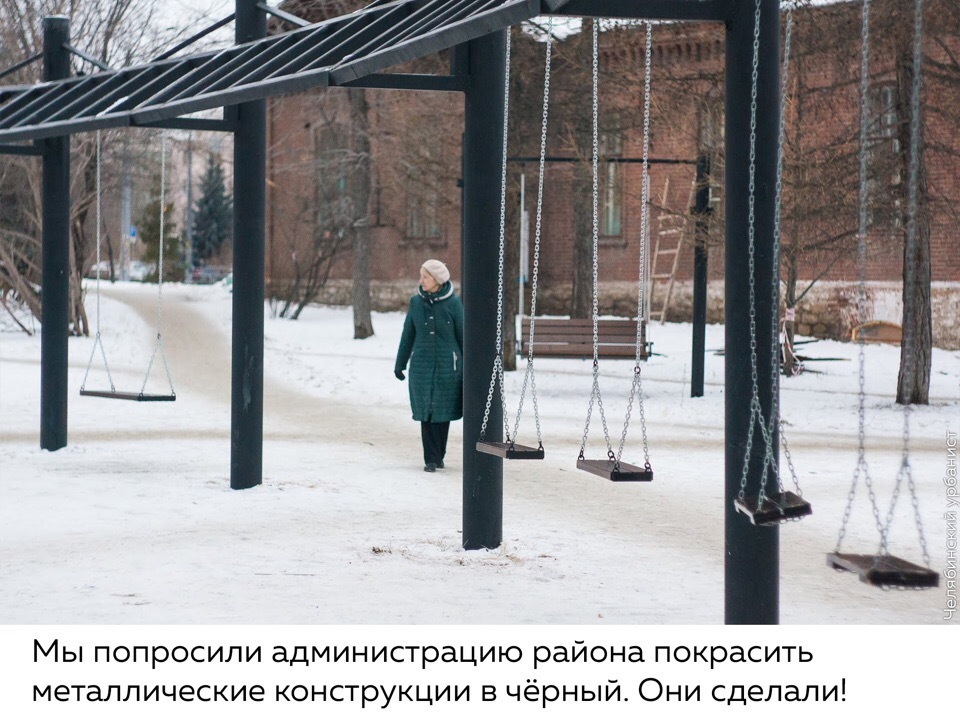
(336,51)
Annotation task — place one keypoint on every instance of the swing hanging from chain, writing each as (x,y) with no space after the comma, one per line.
(113,393)
(509,449)
(613,468)
(774,507)
(883,569)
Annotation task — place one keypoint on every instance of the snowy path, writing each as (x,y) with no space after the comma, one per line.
(133,522)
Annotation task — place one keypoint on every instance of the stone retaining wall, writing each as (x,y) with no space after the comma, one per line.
(829,310)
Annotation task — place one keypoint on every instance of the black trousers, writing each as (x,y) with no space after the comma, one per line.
(434,436)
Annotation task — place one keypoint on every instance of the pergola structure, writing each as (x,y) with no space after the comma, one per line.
(354,51)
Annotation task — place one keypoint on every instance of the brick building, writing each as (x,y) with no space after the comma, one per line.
(414,139)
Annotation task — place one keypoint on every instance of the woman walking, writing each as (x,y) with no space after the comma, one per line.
(432,341)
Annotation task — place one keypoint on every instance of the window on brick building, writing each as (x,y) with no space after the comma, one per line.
(884,157)
(423,214)
(333,158)
(610,181)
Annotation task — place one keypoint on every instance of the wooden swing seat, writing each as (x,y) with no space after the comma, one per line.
(776,507)
(508,450)
(885,570)
(133,396)
(609,469)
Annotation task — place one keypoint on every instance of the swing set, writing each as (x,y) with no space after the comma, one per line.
(113,392)
(355,50)
(883,569)
(613,467)
(772,504)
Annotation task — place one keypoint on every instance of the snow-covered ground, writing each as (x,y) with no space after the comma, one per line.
(134,521)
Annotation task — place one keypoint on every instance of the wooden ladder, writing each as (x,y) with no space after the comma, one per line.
(672,231)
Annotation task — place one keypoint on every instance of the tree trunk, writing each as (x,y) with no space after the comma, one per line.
(789,363)
(113,274)
(581,302)
(913,382)
(359,120)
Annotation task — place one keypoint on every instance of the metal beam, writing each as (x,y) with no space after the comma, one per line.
(507,14)
(140,82)
(170,87)
(752,556)
(55,253)
(483,138)
(396,31)
(718,10)
(701,212)
(303,46)
(95,91)
(612,160)
(338,51)
(92,60)
(249,206)
(237,57)
(409,81)
(193,38)
(7,91)
(20,65)
(20,150)
(285,16)
(239,74)
(45,101)
(193,123)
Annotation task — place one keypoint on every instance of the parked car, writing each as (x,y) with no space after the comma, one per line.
(104,268)
(207,275)
(137,271)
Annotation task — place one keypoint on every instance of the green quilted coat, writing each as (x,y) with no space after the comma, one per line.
(432,342)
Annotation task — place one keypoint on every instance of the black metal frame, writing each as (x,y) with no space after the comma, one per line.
(351,50)
(354,50)
(710,10)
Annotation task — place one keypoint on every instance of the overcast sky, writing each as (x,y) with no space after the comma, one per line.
(187,12)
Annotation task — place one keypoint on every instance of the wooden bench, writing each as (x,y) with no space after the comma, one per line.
(564,337)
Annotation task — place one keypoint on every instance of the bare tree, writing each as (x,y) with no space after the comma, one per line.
(913,380)
(107,30)
(360,232)
(360,179)
(318,190)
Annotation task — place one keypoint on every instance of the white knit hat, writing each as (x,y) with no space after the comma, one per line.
(437,270)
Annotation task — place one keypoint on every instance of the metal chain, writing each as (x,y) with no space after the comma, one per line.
(636,387)
(776,425)
(98,341)
(99,221)
(862,467)
(163,216)
(158,345)
(529,376)
(756,415)
(595,392)
(497,373)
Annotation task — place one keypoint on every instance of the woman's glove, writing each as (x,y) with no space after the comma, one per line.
(398,373)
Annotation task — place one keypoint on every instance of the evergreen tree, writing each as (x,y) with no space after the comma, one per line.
(148,230)
(213,217)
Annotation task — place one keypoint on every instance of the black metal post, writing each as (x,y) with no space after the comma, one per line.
(249,200)
(752,571)
(701,211)
(483,138)
(55,280)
